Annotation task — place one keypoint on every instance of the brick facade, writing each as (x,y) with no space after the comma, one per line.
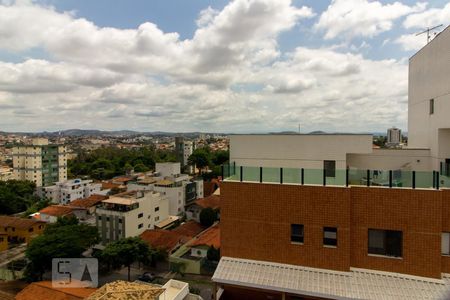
(256,219)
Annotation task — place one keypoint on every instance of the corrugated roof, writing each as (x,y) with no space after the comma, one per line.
(356,284)
(20,223)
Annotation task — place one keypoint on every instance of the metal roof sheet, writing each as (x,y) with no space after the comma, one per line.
(356,284)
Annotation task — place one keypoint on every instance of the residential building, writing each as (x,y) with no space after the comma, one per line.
(328,217)
(6,173)
(84,209)
(394,137)
(168,180)
(213,201)
(50,214)
(19,229)
(207,239)
(40,162)
(67,191)
(3,241)
(171,240)
(130,213)
(183,150)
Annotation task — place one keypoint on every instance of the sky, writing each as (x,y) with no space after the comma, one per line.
(212,66)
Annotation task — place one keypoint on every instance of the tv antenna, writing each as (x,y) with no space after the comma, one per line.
(427,31)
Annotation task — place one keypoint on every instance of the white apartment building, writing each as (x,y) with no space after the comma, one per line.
(129,214)
(180,189)
(394,136)
(40,162)
(67,191)
(184,149)
(429,100)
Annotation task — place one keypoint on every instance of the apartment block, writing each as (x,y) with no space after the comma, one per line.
(40,162)
(183,150)
(67,191)
(130,214)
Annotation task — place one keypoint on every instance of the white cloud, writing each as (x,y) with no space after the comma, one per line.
(429,18)
(352,18)
(231,76)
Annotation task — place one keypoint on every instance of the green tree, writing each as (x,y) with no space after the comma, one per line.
(125,252)
(16,196)
(220,157)
(208,216)
(65,238)
(200,158)
(213,254)
(141,168)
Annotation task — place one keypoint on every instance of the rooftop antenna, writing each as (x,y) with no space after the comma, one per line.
(428,30)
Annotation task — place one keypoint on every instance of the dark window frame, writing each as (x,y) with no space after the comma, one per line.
(431,106)
(328,241)
(297,233)
(392,242)
(330,168)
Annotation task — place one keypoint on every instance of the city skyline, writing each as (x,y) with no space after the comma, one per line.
(210,66)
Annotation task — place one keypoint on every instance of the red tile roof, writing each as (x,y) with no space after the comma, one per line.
(109,185)
(16,222)
(212,201)
(57,210)
(88,202)
(190,228)
(44,290)
(210,237)
(164,239)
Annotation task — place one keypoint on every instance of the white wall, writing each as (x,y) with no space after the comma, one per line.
(168,169)
(296,151)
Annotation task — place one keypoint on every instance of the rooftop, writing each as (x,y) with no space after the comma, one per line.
(210,237)
(126,290)
(119,200)
(356,284)
(190,228)
(45,290)
(57,210)
(88,202)
(16,222)
(164,239)
(212,201)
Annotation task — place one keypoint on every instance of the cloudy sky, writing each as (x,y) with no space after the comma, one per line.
(204,65)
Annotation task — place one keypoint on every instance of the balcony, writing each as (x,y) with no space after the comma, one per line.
(337,177)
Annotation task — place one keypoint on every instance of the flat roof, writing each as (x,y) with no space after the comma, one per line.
(329,284)
(119,200)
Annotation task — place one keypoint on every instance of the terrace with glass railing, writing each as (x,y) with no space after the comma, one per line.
(337,177)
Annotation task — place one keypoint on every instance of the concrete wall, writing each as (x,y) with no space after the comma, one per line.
(167,169)
(392,159)
(296,151)
(429,79)
(256,219)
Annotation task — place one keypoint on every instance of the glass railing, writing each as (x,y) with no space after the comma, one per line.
(337,177)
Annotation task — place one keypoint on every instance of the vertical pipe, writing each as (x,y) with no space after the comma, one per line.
(242,173)
(413,179)
(437,180)
(434,179)
(234,168)
(346,176)
(260,174)
(303,176)
(368,177)
(281,175)
(390,178)
(324,177)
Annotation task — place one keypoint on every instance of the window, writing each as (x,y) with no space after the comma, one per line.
(120,221)
(156,219)
(385,242)
(445,249)
(140,215)
(330,236)
(107,219)
(330,168)
(140,226)
(431,106)
(157,208)
(297,233)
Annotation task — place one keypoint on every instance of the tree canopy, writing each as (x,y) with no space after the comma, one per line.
(208,216)
(65,238)
(125,252)
(16,196)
